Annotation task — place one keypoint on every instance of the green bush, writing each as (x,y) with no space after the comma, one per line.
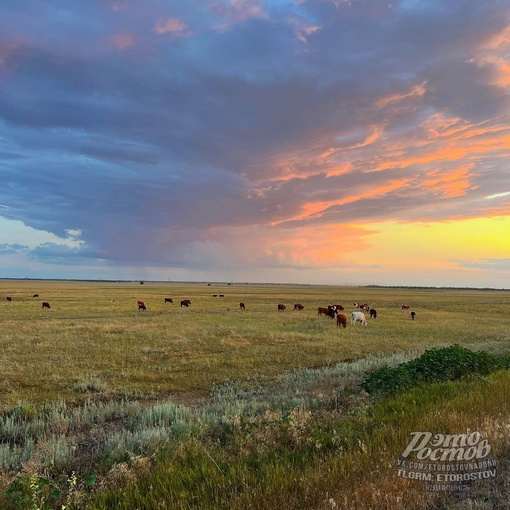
(434,365)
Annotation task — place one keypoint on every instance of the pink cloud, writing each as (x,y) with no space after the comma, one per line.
(124,41)
(173,26)
(237,11)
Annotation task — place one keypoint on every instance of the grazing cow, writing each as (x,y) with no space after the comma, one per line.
(241,306)
(331,311)
(185,302)
(141,306)
(221,295)
(45,304)
(413,315)
(298,306)
(35,295)
(322,311)
(358,317)
(404,307)
(169,300)
(339,308)
(356,305)
(8,298)
(373,313)
(341,320)
(365,307)
(281,308)
(215,295)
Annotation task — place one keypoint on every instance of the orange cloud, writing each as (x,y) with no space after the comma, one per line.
(450,184)
(415,93)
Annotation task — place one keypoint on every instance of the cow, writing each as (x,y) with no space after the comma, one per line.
(8,298)
(322,311)
(281,308)
(45,304)
(331,311)
(242,306)
(35,295)
(358,317)
(339,308)
(356,305)
(404,307)
(373,313)
(413,315)
(365,307)
(169,300)
(221,295)
(185,302)
(341,320)
(298,306)
(215,295)
(141,306)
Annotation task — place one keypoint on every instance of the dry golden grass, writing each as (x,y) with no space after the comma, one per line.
(86,344)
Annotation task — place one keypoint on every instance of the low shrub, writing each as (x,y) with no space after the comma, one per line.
(434,365)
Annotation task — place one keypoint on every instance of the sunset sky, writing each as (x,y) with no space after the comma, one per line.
(308,141)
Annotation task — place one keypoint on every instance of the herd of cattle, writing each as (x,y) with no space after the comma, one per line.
(331,311)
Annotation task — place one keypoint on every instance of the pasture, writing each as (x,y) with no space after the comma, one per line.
(94,346)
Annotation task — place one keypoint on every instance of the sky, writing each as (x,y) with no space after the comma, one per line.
(342,142)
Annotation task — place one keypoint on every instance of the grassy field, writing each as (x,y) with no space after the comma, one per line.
(95,385)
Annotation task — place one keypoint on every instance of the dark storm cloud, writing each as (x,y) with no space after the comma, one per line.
(146,127)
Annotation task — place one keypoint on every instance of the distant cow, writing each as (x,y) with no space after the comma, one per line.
(338,308)
(169,300)
(35,295)
(413,315)
(221,295)
(281,308)
(322,311)
(404,307)
(341,320)
(141,306)
(215,295)
(241,306)
(8,298)
(298,306)
(365,307)
(358,317)
(373,313)
(45,304)
(185,302)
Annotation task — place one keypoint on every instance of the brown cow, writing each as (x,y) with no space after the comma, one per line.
(322,311)
(35,295)
(298,306)
(341,320)
(8,298)
(45,304)
(141,306)
(281,308)
(339,308)
(404,307)
(169,300)
(185,302)
(241,306)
